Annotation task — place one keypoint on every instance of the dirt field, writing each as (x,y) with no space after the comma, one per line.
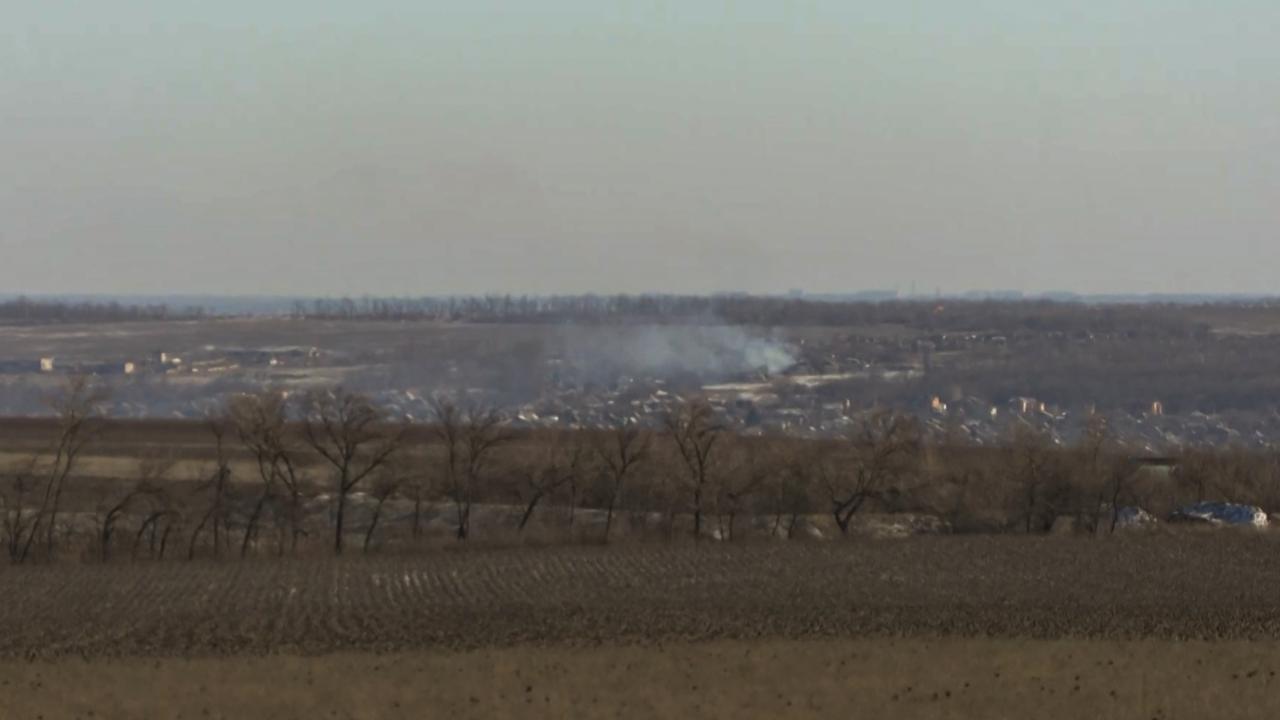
(1189,586)
(955,678)
(1160,626)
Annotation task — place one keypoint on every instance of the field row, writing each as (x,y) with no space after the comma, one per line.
(1166,586)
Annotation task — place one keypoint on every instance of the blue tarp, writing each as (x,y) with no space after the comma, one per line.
(1220,513)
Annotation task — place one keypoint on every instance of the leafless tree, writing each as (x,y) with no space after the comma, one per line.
(386,483)
(469,438)
(789,491)
(559,463)
(1030,464)
(419,485)
(620,450)
(161,512)
(17,516)
(76,408)
(351,433)
(881,452)
(1121,473)
(112,514)
(145,497)
(260,422)
(1107,471)
(215,516)
(694,430)
(750,467)
(448,429)
(1093,453)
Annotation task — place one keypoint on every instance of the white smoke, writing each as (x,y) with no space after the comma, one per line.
(710,351)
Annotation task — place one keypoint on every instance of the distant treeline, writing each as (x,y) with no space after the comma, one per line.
(945,315)
(24,310)
(1012,318)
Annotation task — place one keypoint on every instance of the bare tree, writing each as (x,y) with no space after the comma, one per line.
(559,465)
(17,517)
(386,483)
(469,437)
(216,485)
(695,431)
(621,450)
(419,484)
(1200,472)
(76,408)
(789,491)
(1093,450)
(111,515)
(1120,475)
(351,434)
(882,451)
(1107,472)
(1030,463)
(161,512)
(260,422)
(448,430)
(750,466)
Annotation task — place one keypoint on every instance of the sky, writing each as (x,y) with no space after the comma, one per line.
(427,147)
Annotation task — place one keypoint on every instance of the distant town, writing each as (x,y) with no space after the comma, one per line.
(1164,375)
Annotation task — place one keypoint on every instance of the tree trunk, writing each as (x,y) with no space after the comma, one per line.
(697,513)
(53,523)
(339,519)
(373,526)
(464,522)
(1115,506)
(843,514)
(608,520)
(164,539)
(195,537)
(528,511)
(573,502)
(252,526)
(217,516)
(417,514)
(295,517)
(106,538)
(842,521)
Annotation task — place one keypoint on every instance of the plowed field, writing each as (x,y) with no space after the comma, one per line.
(1179,586)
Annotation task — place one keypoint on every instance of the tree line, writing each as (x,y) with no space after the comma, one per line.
(1011,317)
(280,461)
(27,311)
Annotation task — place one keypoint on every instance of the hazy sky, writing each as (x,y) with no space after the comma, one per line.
(423,147)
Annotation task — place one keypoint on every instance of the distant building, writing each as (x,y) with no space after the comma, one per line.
(46,364)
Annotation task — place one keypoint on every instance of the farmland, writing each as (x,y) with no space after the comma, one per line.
(1191,585)
(1171,625)
(879,678)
